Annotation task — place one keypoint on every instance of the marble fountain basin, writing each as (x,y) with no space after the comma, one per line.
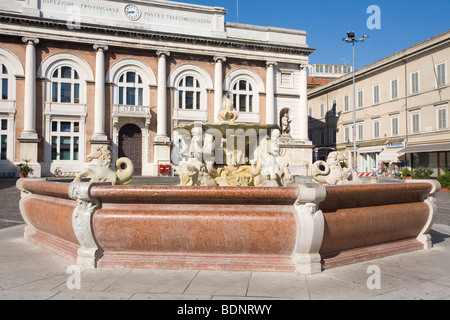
(303,228)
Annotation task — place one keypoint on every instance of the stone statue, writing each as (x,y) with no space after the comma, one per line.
(104,173)
(285,121)
(228,114)
(331,171)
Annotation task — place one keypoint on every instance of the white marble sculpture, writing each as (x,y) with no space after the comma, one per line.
(331,172)
(103,172)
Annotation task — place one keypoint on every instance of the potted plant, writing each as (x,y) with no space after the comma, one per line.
(24,168)
(406,173)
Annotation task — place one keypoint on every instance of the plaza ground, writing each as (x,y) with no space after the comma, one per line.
(28,271)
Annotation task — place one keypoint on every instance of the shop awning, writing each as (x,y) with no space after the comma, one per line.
(427,148)
(390,155)
(375,149)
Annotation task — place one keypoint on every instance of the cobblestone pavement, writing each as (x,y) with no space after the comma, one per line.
(10,196)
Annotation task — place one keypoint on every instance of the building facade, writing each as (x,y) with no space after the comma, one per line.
(78,74)
(319,73)
(401,104)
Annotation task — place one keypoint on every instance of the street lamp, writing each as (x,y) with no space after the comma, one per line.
(351,39)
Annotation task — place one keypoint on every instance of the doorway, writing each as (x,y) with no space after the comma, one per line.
(130,145)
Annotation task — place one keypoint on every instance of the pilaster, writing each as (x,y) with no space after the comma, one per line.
(270,93)
(99,136)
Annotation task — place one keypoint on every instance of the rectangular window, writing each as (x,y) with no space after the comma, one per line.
(76,93)
(55,92)
(394,89)
(415,127)
(120,95)
(4,125)
(376,94)
(65,126)
(322,110)
(4,89)
(376,129)
(309,111)
(440,75)
(180,99)
(347,134)
(346,103)
(360,127)
(334,136)
(360,99)
(75,148)
(197,100)
(189,100)
(65,140)
(131,98)
(64,148)
(66,92)
(54,148)
(242,103)
(394,126)
(442,118)
(140,95)
(414,82)
(4,145)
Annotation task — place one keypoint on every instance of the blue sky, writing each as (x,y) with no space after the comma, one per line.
(403,23)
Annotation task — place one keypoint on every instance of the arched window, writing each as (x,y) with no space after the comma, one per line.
(131,89)
(189,93)
(65,85)
(3,82)
(243,96)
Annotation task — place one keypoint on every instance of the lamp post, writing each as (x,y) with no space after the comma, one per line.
(351,39)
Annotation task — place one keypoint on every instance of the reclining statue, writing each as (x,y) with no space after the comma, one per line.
(104,173)
(331,172)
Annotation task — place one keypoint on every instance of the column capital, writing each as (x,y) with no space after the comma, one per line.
(303,66)
(30,40)
(102,47)
(219,58)
(161,52)
(271,63)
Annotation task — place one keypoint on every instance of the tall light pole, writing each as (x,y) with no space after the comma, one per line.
(351,39)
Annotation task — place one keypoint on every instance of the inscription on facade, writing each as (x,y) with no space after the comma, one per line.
(155,16)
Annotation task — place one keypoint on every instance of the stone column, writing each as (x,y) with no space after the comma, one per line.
(302,121)
(29,140)
(218,86)
(161,130)
(162,141)
(99,116)
(29,128)
(270,93)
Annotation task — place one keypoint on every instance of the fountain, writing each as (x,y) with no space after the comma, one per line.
(236,209)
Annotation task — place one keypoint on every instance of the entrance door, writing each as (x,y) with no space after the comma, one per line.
(130,146)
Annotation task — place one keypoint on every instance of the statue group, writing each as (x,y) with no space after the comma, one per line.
(242,166)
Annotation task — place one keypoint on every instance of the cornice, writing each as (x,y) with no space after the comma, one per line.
(239,44)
